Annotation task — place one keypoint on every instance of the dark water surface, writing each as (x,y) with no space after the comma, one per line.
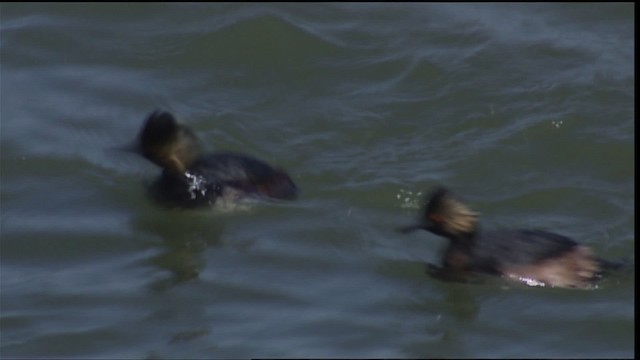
(525,110)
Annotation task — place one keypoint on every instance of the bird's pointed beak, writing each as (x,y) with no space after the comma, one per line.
(411,228)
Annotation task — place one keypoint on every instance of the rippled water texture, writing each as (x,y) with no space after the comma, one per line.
(525,110)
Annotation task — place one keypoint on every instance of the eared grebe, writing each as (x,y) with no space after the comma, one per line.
(191,178)
(534,257)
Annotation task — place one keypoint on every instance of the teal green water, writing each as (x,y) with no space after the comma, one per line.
(525,110)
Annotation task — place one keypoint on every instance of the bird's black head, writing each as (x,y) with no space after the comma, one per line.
(167,143)
(444,215)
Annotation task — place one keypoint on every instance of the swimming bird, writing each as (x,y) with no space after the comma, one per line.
(192,178)
(534,257)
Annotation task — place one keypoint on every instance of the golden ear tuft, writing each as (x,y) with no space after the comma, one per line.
(451,214)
